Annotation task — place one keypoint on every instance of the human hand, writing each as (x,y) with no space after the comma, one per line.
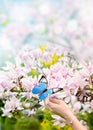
(59,107)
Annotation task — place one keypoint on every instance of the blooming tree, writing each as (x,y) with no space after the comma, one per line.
(65,59)
(62,70)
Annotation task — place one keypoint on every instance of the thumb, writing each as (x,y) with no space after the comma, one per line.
(48,105)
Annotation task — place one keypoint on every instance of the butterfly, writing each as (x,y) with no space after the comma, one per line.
(41,88)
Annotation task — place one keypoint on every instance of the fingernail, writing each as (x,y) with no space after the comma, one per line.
(52,97)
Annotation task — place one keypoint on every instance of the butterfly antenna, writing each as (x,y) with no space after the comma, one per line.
(39,69)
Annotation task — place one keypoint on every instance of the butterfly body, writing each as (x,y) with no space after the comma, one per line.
(42,96)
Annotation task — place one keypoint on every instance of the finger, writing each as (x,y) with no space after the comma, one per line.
(55,100)
(48,103)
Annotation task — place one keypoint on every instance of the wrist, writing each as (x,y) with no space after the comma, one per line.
(70,118)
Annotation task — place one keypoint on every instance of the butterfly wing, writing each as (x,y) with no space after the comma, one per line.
(39,88)
(43,95)
(43,79)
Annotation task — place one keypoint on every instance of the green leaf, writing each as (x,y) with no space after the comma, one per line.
(9,123)
(28,123)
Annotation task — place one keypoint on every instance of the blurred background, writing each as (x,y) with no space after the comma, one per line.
(36,22)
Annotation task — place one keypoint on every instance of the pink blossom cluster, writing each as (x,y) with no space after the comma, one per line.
(62,70)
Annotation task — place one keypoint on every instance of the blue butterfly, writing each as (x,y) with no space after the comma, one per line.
(42,90)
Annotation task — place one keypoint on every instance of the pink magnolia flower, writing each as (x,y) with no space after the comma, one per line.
(77,106)
(11,105)
(28,83)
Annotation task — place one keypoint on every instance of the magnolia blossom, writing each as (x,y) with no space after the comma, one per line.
(66,28)
(11,106)
(62,70)
(58,120)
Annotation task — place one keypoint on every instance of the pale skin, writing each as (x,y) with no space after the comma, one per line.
(60,108)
